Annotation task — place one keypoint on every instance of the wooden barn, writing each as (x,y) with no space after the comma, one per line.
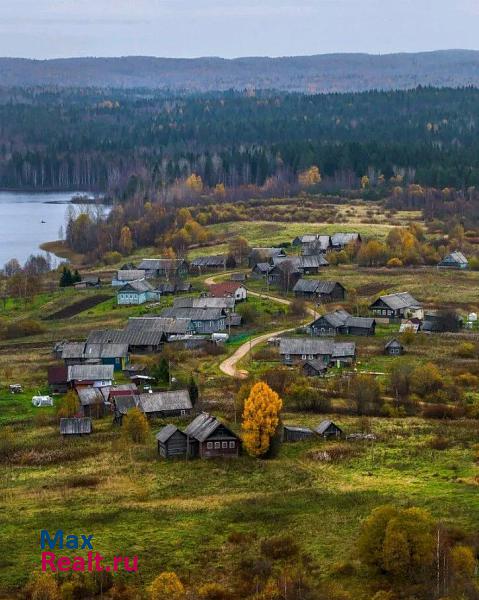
(172,442)
(75,426)
(328,429)
(175,403)
(393,348)
(209,438)
(92,402)
(296,434)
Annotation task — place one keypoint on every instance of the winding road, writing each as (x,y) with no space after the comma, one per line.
(228,366)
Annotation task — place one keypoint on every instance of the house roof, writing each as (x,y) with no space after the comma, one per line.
(154,325)
(195,314)
(393,342)
(90,372)
(156,264)
(455,257)
(343,239)
(72,350)
(336,318)
(220,290)
(205,302)
(238,277)
(317,365)
(115,350)
(318,346)
(164,434)
(75,426)
(399,300)
(315,286)
(164,401)
(124,403)
(218,260)
(263,267)
(299,429)
(89,396)
(204,426)
(268,252)
(139,285)
(324,426)
(130,274)
(361,322)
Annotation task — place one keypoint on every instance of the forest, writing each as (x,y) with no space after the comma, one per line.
(117,141)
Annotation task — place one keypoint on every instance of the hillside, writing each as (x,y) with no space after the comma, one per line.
(320,73)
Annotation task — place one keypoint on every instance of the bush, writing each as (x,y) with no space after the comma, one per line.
(394,263)
(110,258)
(214,591)
(135,426)
(249,313)
(467,350)
(166,586)
(42,586)
(442,411)
(439,442)
(280,547)
(69,405)
(23,328)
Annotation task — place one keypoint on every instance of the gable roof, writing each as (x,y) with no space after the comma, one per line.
(159,264)
(316,365)
(165,401)
(220,290)
(324,426)
(89,396)
(393,342)
(130,274)
(140,286)
(218,260)
(263,267)
(195,314)
(456,257)
(398,301)
(343,239)
(204,426)
(124,403)
(164,434)
(72,350)
(204,302)
(90,373)
(150,325)
(319,346)
(299,429)
(315,286)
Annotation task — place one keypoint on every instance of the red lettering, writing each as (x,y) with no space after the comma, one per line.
(48,558)
(134,567)
(64,563)
(117,560)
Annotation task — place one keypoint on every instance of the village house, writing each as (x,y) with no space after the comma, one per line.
(167,268)
(228,289)
(400,305)
(328,429)
(340,240)
(204,320)
(75,353)
(89,281)
(167,325)
(212,263)
(296,434)
(75,426)
(140,340)
(124,276)
(264,255)
(340,322)
(210,438)
(454,260)
(302,349)
(226,303)
(238,277)
(318,242)
(92,402)
(165,404)
(314,368)
(393,348)
(261,270)
(111,394)
(318,290)
(172,442)
(58,379)
(167,288)
(90,376)
(137,292)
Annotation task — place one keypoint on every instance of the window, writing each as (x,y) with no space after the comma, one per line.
(209,445)
(287,357)
(303,356)
(183,413)
(217,445)
(224,444)
(232,444)
(310,356)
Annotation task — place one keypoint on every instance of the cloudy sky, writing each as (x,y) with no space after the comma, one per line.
(229,28)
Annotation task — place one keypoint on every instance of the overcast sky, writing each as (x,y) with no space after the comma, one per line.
(229,28)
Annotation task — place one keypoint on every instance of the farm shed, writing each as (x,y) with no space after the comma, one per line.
(314,368)
(58,379)
(328,429)
(210,438)
(92,403)
(296,434)
(394,347)
(75,426)
(175,403)
(90,375)
(172,442)
(454,260)
(322,291)
(164,267)
(121,406)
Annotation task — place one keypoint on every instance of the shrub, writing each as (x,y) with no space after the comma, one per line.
(249,313)
(441,411)
(166,586)
(214,591)
(110,258)
(135,426)
(23,328)
(42,586)
(394,263)
(439,442)
(280,547)
(467,380)
(69,405)
(467,350)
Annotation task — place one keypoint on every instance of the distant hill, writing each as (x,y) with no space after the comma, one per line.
(321,73)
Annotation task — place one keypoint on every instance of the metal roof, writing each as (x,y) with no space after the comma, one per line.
(455,257)
(164,401)
(164,434)
(75,426)
(399,300)
(204,426)
(90,372)
(300,429)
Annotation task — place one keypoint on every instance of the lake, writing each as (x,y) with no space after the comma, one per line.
(21,227)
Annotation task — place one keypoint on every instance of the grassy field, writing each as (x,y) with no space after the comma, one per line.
(135,503)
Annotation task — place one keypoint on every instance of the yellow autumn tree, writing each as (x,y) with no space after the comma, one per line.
(126,241)
(364,182)
(311,176)
(195,183)
(260,418)
(167,586)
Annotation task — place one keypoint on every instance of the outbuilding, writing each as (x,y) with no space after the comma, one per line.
(296,434)
(328,429)
(172,442)
(394,347)
(75,426)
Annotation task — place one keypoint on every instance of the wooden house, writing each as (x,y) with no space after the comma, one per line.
(319,290)
(172,442)
(75,426)
(209,438)
(340,240)
(175,403)
(92,402)
(261,270)
(124,276)
(204,320)
(393,347)
(301,349)
(400,305)
(137,292)
(228,289)
(296,434)
(328,429)
(90,375)
(210,263)
(454,260)
(121,406)
(58,379)
(88,282)
(340,322)
(169,268)
(140,339)
(314,368)
(264,255)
